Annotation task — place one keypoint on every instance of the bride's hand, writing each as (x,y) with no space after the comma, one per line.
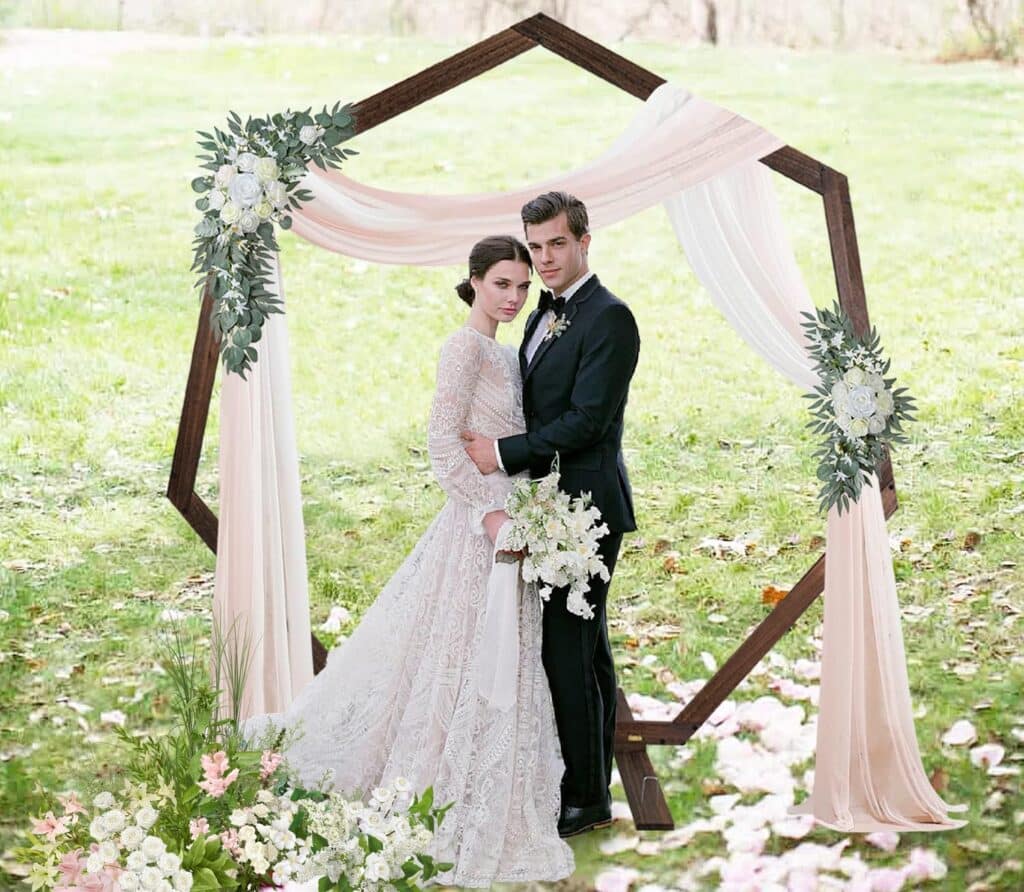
(493,522)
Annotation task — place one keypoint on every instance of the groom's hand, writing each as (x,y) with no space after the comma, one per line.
(481,450)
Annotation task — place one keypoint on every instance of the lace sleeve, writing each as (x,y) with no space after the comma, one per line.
(457,375)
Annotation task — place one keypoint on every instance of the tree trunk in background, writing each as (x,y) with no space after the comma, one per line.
(710,22)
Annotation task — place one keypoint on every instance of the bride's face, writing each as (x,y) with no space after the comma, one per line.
(503,290)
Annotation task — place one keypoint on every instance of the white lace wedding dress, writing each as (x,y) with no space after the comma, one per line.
(398,697)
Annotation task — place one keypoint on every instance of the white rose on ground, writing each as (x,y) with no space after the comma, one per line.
(858,427)
(266,169)
(885,402)
(230,213)
(246,162)
(854,376)
(376,867)
(264,209)
(131,837)
(114,820)
(249,220)
(276,193)
(151,878)
(152,847)
(309,134)
(216,199)
(168,862)
(224,175)
(146,817)
(862,402)
(245,190)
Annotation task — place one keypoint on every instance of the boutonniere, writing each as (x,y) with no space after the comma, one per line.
(556,327)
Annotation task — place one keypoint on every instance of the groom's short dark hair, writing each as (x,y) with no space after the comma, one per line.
(549,205)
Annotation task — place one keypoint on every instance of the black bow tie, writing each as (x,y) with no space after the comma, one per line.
(549,302)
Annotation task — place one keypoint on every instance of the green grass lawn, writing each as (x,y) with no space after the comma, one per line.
(97,318)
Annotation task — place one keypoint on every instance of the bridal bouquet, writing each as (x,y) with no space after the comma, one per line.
(855,405)
(559,535)
(200,810)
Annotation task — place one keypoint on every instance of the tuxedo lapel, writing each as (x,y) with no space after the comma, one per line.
(531,324)
(572,308)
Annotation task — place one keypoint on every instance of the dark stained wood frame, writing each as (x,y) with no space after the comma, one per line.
(632,737)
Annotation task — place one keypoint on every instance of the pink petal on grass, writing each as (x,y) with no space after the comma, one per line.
(987,755)
(886,840)
(618,879)
(925,865)
(961,734)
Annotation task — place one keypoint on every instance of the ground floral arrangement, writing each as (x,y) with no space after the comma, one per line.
(199,811)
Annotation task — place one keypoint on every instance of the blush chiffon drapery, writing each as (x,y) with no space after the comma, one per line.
(701,162)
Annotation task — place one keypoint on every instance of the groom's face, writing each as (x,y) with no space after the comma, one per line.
(558,256)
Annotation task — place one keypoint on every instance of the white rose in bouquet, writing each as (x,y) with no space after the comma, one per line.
(854,376)
(843,421)
(858,427)
(104,800)
(875,382)
(153,847)
(216,199)
(861,402)
(886,404)
(246,162)
(224,175)
(876,424)
(266,169)
(230,213)
(245,190)
(264,210)
(249,220)
(309,134)
(276,193)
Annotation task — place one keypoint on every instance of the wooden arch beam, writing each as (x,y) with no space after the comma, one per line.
(632,737)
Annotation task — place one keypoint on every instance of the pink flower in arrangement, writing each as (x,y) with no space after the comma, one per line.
(214,767)
(269,762)
(50,827)
(71,804)
(229,839)
(71,868)
(198,827)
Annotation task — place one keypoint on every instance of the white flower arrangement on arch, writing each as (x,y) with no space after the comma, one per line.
(254,169)
(854,405)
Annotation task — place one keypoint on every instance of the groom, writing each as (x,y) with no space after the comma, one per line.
(578,354)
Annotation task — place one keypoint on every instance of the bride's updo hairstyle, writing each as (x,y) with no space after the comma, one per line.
(487,252)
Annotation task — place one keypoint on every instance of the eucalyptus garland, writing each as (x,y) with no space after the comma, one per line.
(255,168)
(854,405)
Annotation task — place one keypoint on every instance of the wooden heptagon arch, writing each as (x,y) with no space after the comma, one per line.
(632,737)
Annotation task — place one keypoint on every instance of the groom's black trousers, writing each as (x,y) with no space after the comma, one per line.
(581,674)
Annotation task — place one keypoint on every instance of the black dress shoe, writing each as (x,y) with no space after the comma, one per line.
(580,819)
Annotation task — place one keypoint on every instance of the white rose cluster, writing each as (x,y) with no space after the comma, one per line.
(265,841)
(385,816)
(560,535)
(861,402)
(247,190)
(142,858)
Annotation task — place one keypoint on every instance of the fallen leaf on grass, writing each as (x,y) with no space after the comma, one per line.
(772,595)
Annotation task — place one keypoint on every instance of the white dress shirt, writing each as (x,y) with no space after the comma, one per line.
(540,331)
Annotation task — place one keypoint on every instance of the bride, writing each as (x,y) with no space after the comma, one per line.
(399,697)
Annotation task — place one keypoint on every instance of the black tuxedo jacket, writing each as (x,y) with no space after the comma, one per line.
(574,400)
